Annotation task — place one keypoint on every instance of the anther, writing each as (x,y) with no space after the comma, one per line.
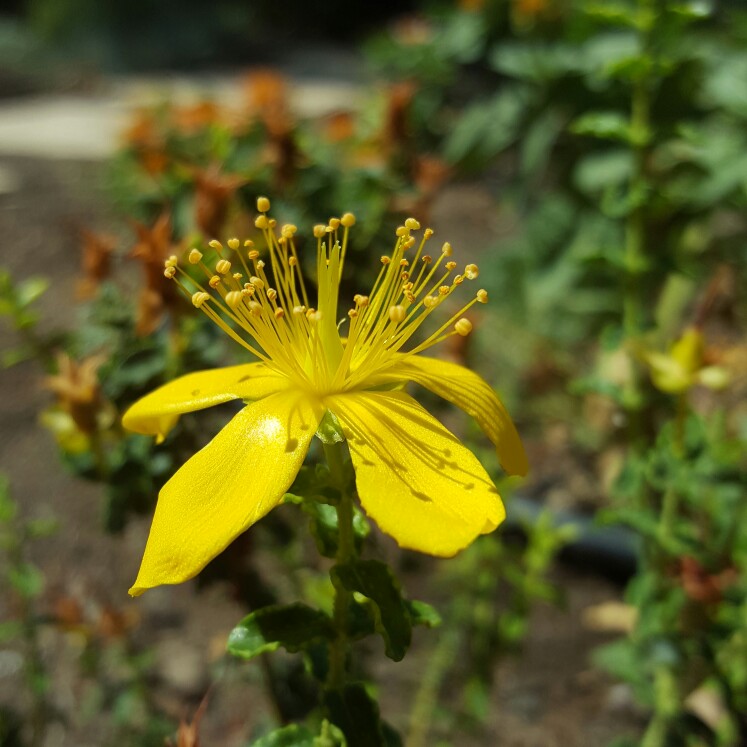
(360,301)
(272,294)
(169,272)
(334,223)
(253,255)
(430,301)
(279,313)
(299,310)
(292,261)
(262,222)
(200,298)
(215,244)
(255,308)
(263,204)
(194,256)
(214,281)
(401,231)
(237,276)
(248,243)
(408,243)
(320,231)
(463,327)
(450,266)
(233,244)
(397,313)
(427,233)
(404,276)
(352,313)
(404,263)
(426,259)
(446,249)
(385,260)
(348,220)
(288,231)
(260,264)
(412,224)
(482,296)
(171,261)
(272,222)
(459,279)
(234,299)
(258,283)
(471,271)
(223,267)
(409,295)
(444,290)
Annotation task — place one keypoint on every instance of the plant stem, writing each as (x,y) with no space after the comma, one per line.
(338,648)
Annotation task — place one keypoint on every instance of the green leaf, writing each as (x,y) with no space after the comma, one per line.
(423,614)
(356,714)
(31,289)
(323,524)
(374,580)
(26,579)
(606,125)
(293,627)
(289,736)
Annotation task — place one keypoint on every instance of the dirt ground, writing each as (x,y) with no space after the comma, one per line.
(549,696)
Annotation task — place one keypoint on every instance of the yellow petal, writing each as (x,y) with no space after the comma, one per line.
(227,486)
(475,396)
(157,412)
(414,478)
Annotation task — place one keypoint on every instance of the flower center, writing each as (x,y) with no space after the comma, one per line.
(265,307)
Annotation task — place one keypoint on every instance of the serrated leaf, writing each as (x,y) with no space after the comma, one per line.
(356,714)
(289,736)
(374,580)
(292,626)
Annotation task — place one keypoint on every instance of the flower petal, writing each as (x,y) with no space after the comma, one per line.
(157,412)
(414,478)
(475,396)
(227,486)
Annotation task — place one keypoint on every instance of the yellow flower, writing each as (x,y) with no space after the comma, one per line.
(413,477)
(684,366)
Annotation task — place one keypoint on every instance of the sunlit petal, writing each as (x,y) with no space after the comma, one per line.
(227,486)
(414,478)
(157,412)
(471,393)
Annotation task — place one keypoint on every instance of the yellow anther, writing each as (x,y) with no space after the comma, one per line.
(214,281)
(223,267)
(260,264)
(430,301)
(407,286)
(249,288)
(263,204)
(234,299)
(169,272)
(401,231)
(279,313)
(444,290)
(258,283)
(282,241)
(352,313)
(248,243)
(471,271)
(171,261)
(320,231)
(348,220)
(237,276)
(255,308)
(288,231)
(397,313)
(412,224)
(261,222)
(459,279)
(427,233)
(299,310)
(253,255)
(272,294)
(404,263)
(247,292)
(215,244)
(385,260)
(233,243)
(200,298)
(450,266)
(408,243)
(463,327)
(272,222)
(426,259)
(446,249)
(292,261)
(194,256)
(314,316)
(360,301)
(409,295)
(334,223)
(404,276)
(482,296)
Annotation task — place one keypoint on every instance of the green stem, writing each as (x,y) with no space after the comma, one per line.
(338,648)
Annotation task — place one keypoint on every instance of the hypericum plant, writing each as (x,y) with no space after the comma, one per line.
(339,376)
